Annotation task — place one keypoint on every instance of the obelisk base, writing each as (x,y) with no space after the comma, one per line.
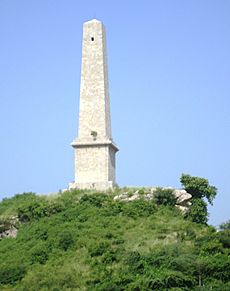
(94,164)
(102,186)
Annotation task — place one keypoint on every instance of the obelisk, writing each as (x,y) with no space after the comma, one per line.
(94,148)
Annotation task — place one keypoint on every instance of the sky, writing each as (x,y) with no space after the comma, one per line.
(169,70)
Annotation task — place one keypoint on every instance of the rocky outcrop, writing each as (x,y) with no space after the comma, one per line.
(183,198)
(12,232)
(8,226)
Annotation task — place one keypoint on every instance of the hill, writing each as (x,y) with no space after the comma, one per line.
(83,240)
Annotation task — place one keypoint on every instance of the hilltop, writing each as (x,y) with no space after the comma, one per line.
(85,240)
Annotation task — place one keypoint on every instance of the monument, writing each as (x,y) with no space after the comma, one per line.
(94,148)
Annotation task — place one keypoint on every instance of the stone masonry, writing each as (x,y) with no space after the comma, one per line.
(94,148)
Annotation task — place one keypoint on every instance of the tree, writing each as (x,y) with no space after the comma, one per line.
(225,225)
(200,189)
(198,211)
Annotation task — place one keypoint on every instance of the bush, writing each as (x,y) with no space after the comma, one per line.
(39,254)
(165,279)
(37,208)
(66,240)
(138,208)
(164,197)
(11,273)
(96,200)
(41,233)
(99,249)
(109,257)
(141,191)
(217,267)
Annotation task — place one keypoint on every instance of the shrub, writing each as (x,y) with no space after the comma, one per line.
(109,257)
(138,208)
(165,279)
(95,200)
(37,208)
(66,240)
(112,208)
(217,267)
(41,232)
(164,197)
(141,191)
(39,254)
(11,273)
(99,249)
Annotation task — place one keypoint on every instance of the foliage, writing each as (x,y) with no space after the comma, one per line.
(82,240)
(225,225)
(39,253)
(164,197)
(11,273)
(198,187)
(37,208)
(66,240)
(224,238)
(198,211)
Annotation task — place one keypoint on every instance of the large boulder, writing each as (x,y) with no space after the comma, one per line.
(182,196)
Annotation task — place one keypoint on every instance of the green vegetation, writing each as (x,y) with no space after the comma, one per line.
(164,197)
(225,225)
(82,240)
(200,190)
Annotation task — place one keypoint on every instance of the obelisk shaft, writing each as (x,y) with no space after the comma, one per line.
(94,115)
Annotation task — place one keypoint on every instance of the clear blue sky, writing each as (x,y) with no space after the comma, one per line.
(169,71)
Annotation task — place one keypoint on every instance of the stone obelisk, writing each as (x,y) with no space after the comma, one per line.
(94,148)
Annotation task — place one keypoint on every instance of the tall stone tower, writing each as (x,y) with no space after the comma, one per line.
(94,148)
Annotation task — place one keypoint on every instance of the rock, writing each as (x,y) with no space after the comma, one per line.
(118,197)
(152,190)
(183,198)
(148,196)
(181,195)
(135,196)
(12,232)
(183,209)
(8,226)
